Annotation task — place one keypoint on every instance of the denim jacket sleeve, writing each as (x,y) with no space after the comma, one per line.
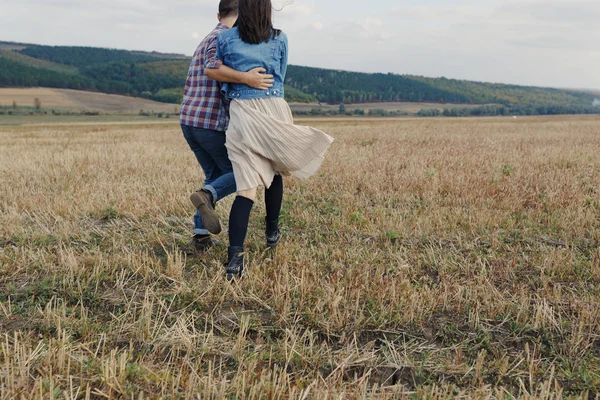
(284,55)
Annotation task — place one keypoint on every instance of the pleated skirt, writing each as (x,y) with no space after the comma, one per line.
(263,141)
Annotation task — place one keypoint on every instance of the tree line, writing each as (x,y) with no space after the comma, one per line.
(162,79)
(331,86)
(85,56)
(16,74)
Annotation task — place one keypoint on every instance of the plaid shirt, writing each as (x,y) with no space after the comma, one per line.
(203,106)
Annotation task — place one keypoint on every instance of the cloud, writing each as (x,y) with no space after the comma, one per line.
(355,30)
(560,13)
(486,40)
(298,9)
(525,23)
(537,42)
(293,14)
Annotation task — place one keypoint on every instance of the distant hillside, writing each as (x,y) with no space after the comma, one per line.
(508,94)
(77,101)
(21,58)
(161,77)
(12,45)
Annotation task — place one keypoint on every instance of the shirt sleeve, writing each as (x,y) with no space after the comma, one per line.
(212,55)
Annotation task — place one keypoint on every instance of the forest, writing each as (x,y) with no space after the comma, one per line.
(161,77)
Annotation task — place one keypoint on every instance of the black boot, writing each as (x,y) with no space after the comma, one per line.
(235,262)
(273,234)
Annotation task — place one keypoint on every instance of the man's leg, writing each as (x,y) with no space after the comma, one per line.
(222,183)
(209,148)
(218,185)
(211,171)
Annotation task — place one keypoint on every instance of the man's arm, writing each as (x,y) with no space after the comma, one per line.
(255,78)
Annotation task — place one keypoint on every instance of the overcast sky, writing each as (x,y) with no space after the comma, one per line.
(545,43)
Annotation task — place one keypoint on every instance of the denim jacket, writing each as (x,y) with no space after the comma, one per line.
(243,57)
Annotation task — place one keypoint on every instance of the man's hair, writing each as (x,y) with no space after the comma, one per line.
(255,21)
(228,7)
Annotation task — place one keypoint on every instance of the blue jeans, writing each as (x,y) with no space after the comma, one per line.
(211,153)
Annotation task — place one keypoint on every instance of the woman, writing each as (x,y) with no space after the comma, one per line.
(262,141)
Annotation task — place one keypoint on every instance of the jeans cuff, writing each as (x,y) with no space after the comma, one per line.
(201,232)
(212,191)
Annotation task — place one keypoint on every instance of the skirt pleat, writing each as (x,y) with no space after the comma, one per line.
(262,141)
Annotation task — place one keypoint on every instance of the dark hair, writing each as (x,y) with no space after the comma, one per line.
(228,7)
(255,22)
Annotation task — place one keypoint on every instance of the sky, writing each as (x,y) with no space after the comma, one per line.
(552,43)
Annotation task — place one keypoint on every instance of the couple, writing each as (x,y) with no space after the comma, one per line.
(261,142)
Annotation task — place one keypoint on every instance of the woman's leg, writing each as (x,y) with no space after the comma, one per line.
(238,219)
(238,228)
(273,200)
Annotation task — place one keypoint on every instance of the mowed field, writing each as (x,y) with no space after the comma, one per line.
(406,107)
(78,100)
(429,258)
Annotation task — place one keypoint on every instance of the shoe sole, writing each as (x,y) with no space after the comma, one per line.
(210,218)
(273,246)
(234,277)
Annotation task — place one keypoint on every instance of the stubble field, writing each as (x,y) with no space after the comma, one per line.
(429,258)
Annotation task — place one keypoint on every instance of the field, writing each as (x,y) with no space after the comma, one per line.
(406,107)
(49,119)
(78,100)
(429,258)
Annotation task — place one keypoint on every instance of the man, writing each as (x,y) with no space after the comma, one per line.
(204,118)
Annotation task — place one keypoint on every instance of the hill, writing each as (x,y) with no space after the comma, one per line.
(160,77)
(77,100)
(21,58)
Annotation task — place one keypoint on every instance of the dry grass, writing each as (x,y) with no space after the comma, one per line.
(24,97)
(428,259)
(78,100)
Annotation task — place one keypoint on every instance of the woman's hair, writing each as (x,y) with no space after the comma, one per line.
(255,21)
(228,7)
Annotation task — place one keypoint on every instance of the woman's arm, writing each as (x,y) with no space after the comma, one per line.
(255,78)
(216,70)
(284,56)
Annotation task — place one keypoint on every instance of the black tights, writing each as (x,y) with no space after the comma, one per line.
(240,213)
(273,200)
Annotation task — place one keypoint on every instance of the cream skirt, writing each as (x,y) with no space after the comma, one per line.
(262,141)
